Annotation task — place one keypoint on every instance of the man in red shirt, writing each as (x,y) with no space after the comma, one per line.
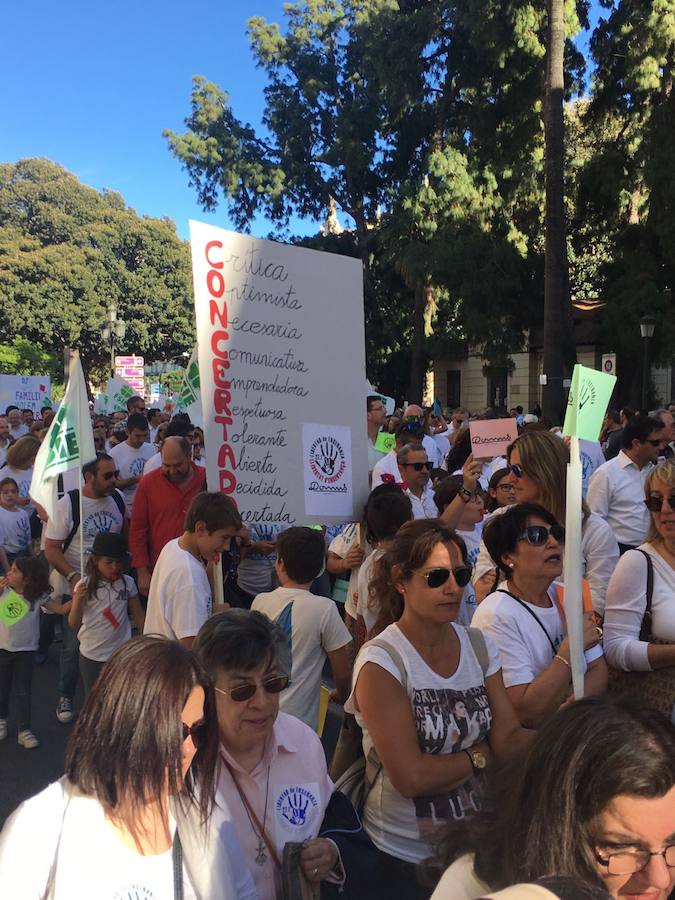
(161,501)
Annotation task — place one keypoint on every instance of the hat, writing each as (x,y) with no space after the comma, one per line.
(530,419)
(109,543)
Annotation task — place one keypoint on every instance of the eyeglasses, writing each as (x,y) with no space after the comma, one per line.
(538,535)
(197,731)
(507,486)
(655,503)
(110,475)
(437,577)
(627,862)
(655,442)
(515,469)
(245,691)
(377,409)
(418,466)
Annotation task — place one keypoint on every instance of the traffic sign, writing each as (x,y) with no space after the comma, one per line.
(608,363)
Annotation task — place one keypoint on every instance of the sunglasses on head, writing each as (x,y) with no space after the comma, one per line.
(655,503)
(245,691)
(196,731)
(538,535)
(437,577)
(419,466)
(411,425)
(515,469)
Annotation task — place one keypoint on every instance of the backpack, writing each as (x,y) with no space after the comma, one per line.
(75,513)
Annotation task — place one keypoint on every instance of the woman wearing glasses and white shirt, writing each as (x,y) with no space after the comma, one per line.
(627,592)
(431,702)
(273,777)
(524,619)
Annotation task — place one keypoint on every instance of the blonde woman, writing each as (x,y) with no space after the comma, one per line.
(538,462)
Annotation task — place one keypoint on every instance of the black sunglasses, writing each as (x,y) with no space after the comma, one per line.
(515,469)
(110,475)
(419,466)
(537,535)
(437,577)
(245,691)
(196,731)
(655,504)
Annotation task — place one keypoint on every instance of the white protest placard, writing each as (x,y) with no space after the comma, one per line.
(282,367)
(25,391)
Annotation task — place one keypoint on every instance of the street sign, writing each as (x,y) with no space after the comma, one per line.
(608,363)
(129,361)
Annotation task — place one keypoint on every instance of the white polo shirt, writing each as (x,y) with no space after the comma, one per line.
(616,492)
(424,507)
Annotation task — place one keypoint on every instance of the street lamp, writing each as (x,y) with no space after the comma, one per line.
(647,324)
(116,328)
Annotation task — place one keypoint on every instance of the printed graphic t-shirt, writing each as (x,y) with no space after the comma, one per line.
(99,515)
(450,715)
(130,461)
(14,530)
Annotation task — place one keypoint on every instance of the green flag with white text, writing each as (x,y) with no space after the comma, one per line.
(69,443)
(590,393)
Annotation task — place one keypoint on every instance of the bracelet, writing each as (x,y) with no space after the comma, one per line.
(563,660)
(70,574)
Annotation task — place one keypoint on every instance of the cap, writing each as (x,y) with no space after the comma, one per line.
(109,543)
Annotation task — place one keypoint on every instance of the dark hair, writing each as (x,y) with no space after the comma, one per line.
(540,812)
(135,399)
(410,549)
(35,573)
(373,398)
(502,532)
(92,573)
(179,427)
(639,428)
(215,510)
(409,432)
(91,468)
(5,481)
(303,552)
(128,739)
(138,421)
(613,416)
(386,510)
(490,502)
(10,408)
(241,640)
(627,412)
(446,491)
(153,411)
(459,452)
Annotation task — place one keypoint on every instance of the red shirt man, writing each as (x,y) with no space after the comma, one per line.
(161,502)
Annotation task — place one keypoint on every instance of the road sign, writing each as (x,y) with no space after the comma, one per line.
(129,361)
(608,363)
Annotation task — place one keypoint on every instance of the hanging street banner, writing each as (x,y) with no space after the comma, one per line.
(25,391)
(280,336)
(189,399)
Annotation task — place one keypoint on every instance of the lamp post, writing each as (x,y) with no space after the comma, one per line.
(115,328)
(647,324)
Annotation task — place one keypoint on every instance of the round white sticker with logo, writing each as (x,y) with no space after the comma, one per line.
(297,810)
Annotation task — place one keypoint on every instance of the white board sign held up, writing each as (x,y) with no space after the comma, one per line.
(282,367)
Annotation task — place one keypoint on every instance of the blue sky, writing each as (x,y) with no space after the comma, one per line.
(92,86)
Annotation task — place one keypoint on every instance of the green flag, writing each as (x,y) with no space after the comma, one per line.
(69,443)
(587,402)
(190,397)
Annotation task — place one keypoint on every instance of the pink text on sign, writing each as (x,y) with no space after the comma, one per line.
(491,437)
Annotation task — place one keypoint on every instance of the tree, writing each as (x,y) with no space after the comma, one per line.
(67,251)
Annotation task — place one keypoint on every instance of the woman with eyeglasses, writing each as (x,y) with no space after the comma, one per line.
(134,815)
(593,800)
(634,640)
(273,777)
(537,462)
(429,696)
(524,617)
(501,490)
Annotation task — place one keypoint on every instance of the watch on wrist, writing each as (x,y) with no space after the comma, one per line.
(465,494)
(478,760)
(70,574)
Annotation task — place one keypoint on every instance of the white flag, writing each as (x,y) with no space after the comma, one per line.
(115,396)
(69,443)
(189,399)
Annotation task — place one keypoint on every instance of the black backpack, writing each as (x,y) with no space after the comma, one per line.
(75,510)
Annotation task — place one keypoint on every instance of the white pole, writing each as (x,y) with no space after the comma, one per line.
(80,432)
(572,570)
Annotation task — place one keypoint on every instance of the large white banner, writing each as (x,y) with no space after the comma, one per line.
(282,367)
(24,391)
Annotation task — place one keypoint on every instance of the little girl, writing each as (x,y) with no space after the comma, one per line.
(102,603)
(15,537)
(28,577)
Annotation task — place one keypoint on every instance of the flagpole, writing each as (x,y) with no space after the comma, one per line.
(80,432)
(572,570)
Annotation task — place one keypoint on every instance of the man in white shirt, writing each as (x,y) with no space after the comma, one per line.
(415,467)
(668,431)
(5,439)
(616,488)
(17,428)
(387,468)
(413,417)
(131,456)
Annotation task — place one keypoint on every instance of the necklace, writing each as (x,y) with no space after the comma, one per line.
(261,850)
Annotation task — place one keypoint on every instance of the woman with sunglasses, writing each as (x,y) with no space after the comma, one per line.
(524,619)
(273,777)
(133,815)
(628,646)
(593,800)
(431,702)
(538,462)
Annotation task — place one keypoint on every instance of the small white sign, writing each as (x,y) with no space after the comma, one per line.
(327,467)
(608,363)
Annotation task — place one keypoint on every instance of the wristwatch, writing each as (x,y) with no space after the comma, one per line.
(478,760)
(70,575)
(465,494)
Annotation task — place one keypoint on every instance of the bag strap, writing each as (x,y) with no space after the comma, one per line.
(479,647)
(373,763)
(75,516)
(646,626)
(534,616)
(177,858)
(252,814)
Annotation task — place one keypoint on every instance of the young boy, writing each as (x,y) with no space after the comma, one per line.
(180,598)
(14,525)
(313,624)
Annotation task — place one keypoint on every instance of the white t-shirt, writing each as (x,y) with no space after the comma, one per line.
(154,462)
(180,598)
(24,634)
(99,514)
(369,613)
(524,649)
(385,466)
(23,478)
(98,636)
(459,882)
(316,629)
(18,431)
(340,546)
(92,861)
(592,457)
(255,571)
(3,452)
(450,715)
(14,530)
(472,540)
(130,462)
